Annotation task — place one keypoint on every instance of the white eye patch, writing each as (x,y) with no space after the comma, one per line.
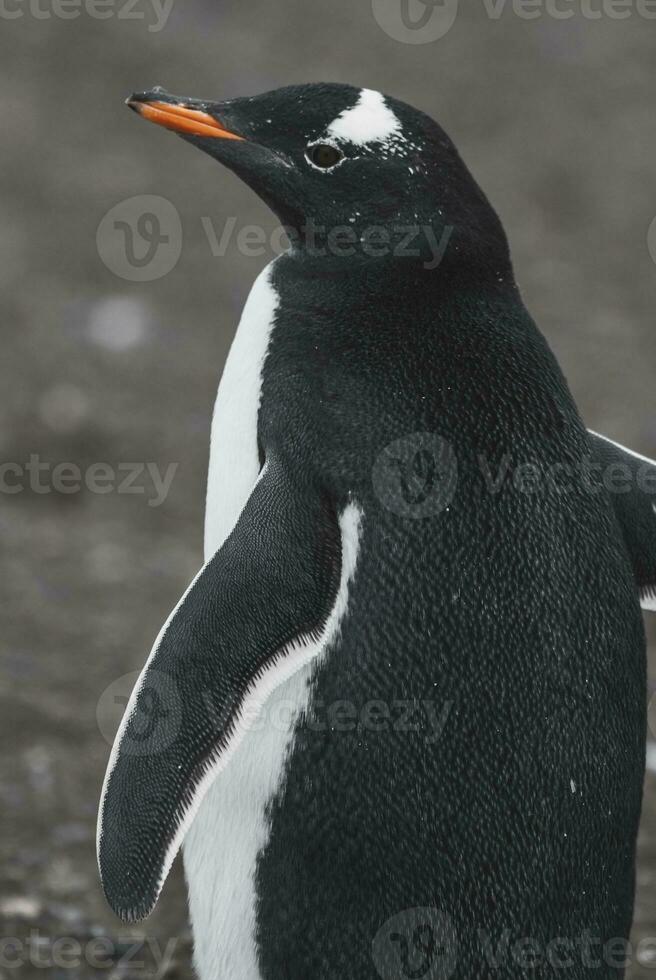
(370,120)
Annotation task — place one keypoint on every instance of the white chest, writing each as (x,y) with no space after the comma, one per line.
(234,462)
(222,844)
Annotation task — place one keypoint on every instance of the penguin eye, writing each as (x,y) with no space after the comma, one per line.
(324,155)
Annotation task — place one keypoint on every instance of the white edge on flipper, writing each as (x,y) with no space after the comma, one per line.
(618,445)
(286,662)
(647,599)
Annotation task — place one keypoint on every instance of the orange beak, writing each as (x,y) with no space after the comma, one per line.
(182,119)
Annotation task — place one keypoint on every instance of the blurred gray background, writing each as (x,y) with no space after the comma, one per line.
(556,119)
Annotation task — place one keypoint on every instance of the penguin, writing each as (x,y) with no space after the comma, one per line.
(397,721)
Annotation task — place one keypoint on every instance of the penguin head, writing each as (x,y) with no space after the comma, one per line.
(332,158)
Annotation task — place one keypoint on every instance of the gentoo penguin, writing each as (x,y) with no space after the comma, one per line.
(398,718)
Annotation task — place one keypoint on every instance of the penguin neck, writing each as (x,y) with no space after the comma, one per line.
(434,261)
(446,228)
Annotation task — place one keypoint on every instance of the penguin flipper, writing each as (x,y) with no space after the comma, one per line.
(634,502)
(253,614)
